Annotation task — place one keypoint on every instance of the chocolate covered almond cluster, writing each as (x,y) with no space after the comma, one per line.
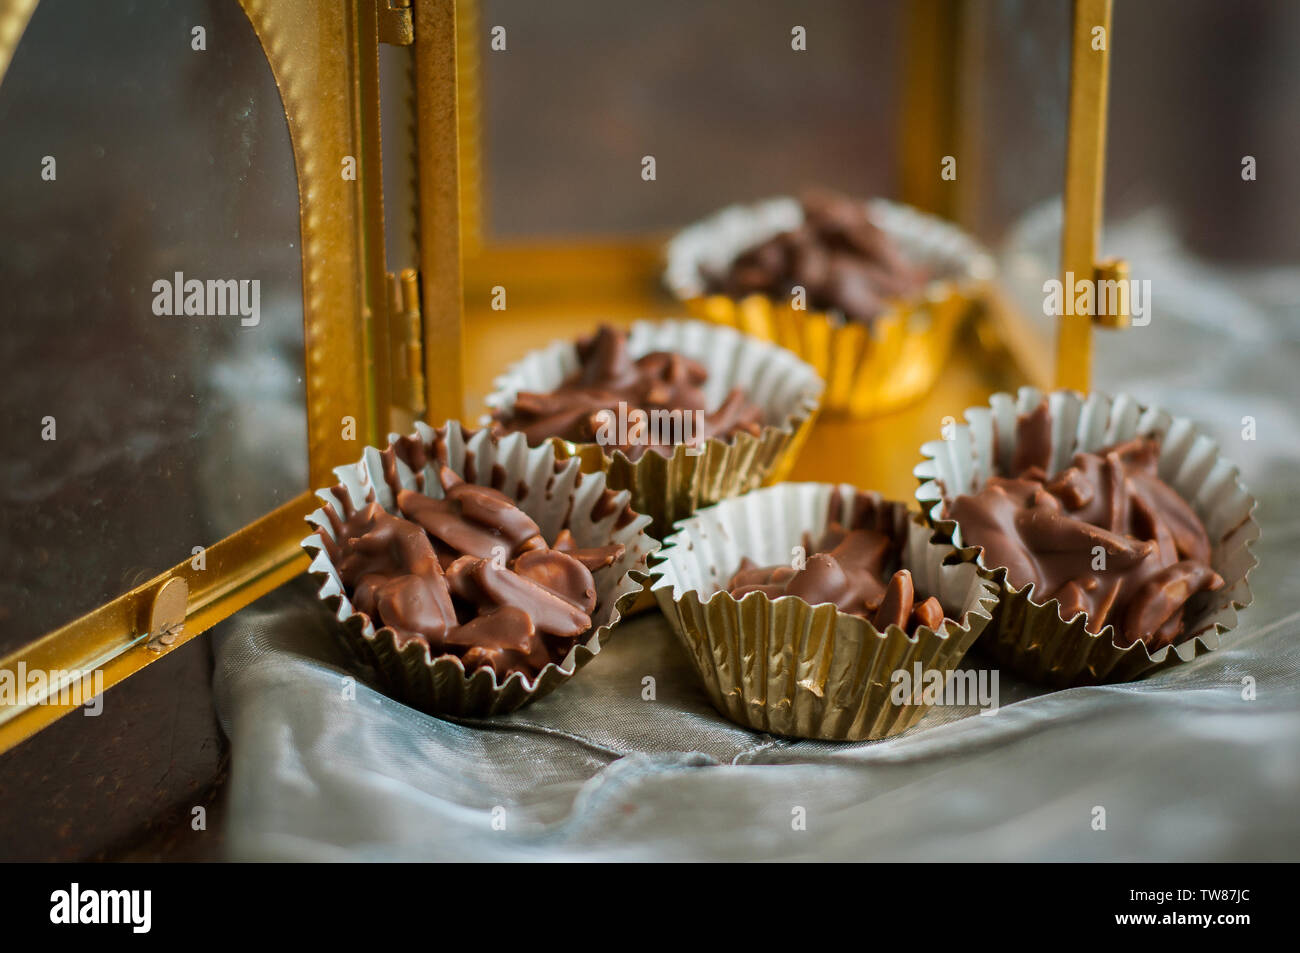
(848,567)
(468,575)
(652,402)
(837,255)
(1106,536)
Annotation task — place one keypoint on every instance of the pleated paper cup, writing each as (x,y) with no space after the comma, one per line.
(789,668)
(870,368)
(1030,636)
(550,490)
(673,487)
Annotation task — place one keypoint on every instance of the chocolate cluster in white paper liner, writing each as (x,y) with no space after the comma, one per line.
(1031,633)
(709,247)
(570,518)
(784,666)
(894,351)
(672,484)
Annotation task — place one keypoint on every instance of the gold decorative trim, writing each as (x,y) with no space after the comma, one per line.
(14,15)
(469,123)
(438,154)
(1085,165)
(931,104)
(309,47)
(118,640)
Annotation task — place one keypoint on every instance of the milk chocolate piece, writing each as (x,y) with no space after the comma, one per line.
(593,557)
(467,575)
(855,567)
(601,400)
(1106,536)
(896,606)
(837,255)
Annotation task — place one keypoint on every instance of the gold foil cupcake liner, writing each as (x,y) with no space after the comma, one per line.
(1030,637)
(789,668)
(671,488)
(871,368)
(555,494)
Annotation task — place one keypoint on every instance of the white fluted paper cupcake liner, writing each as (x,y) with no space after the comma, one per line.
(670,488)
(869,368)
(1030,636)
(550,490)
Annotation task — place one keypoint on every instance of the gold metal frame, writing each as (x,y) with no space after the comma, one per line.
(940,37)
(321,56)
(1085,166)
(125,635)
(14,15)
(437,83)
(931,103)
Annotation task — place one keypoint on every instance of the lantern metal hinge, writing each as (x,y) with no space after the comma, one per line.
(167,614)
(406,337)
(396,24)
(1112,280)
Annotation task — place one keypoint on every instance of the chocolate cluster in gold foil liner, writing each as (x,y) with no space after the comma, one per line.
(551,491)
(1029,636)
(869,369)
(671,488)
(789,668)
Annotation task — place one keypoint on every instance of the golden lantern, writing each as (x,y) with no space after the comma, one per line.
(397,329)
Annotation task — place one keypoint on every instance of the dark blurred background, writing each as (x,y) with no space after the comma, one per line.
(731,113)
